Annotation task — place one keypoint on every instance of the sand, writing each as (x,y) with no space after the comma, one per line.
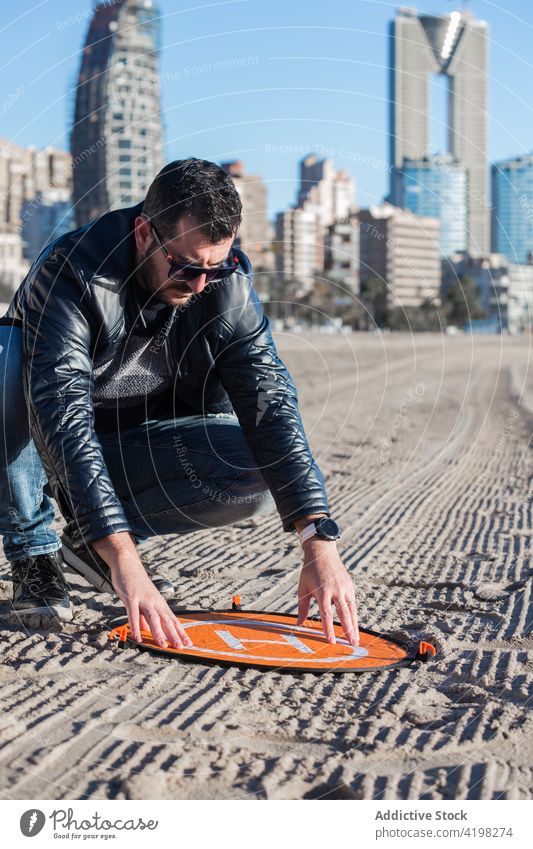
(425,444)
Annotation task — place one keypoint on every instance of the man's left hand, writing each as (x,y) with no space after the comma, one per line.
(325,578)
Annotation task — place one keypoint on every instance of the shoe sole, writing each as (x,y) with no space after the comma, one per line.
(86,571)
(60,612)
(166,592)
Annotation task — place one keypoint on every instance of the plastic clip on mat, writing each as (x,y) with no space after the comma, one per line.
(266,640)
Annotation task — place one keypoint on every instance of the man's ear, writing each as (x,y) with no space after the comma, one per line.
(143,232)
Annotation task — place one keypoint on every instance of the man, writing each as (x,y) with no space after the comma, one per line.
(143,391)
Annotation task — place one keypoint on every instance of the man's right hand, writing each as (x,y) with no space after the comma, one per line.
(145,606)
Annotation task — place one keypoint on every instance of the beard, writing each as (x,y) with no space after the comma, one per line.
(156,290)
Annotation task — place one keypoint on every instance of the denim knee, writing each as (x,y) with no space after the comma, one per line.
(258,500)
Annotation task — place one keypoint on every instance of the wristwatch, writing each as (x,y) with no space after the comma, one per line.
(324,528)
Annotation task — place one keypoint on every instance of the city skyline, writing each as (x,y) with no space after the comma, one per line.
(359,146)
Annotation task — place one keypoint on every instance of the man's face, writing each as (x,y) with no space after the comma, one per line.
(188,245)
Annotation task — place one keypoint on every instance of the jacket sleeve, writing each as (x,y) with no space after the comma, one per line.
(265,400)
(57,383)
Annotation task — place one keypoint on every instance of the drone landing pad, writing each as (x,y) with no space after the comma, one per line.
(275,641)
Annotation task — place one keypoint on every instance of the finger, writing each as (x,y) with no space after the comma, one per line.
(156,630)
(326,617)
(345,618)
(176,633)
(182,633)
(171,632)
(352,607)
(135,625)
(304,605)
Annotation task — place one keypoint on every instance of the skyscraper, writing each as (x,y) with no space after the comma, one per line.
(402,250)
(330,191)
(45,218)
(436,186)
(255,233)
(456,46)
(325,196)
(512,208)
(117,137)
(299,245)
(342,252)
(25,174)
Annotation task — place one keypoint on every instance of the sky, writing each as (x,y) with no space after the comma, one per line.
(265,81)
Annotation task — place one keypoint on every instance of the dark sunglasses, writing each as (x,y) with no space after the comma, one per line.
(187,272)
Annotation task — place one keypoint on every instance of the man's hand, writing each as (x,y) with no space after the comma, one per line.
(325,577)
(145,606)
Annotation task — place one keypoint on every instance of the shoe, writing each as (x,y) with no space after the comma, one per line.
(161,582)
(86,562)
(39,586)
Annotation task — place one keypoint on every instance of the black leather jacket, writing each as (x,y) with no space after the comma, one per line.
(75,306)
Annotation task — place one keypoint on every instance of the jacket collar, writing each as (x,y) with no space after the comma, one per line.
(103,252)
(104,249)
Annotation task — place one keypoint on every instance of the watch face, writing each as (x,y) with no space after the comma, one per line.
(328,528)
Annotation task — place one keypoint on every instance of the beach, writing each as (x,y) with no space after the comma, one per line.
(424,442)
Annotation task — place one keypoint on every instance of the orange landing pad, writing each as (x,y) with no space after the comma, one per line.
(275,641)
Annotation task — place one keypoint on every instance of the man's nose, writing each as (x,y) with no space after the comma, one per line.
(198,284)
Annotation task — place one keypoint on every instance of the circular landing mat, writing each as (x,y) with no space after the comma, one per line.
(274,641)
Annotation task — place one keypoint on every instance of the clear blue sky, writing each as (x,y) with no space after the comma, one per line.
(302,75)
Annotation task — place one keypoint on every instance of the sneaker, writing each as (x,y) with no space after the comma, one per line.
(86,562)
(39,586)
(160,581)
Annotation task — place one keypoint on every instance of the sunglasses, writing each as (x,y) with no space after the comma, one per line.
(188,272)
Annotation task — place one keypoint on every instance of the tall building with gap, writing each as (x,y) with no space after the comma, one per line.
(454,46)
(117,134)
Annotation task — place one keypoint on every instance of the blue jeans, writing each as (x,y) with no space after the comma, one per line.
(172,476)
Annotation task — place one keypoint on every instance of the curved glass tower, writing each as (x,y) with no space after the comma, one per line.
(437,187)
(512,211)
(117,136)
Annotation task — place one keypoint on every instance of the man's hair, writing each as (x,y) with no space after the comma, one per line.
(198,188)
